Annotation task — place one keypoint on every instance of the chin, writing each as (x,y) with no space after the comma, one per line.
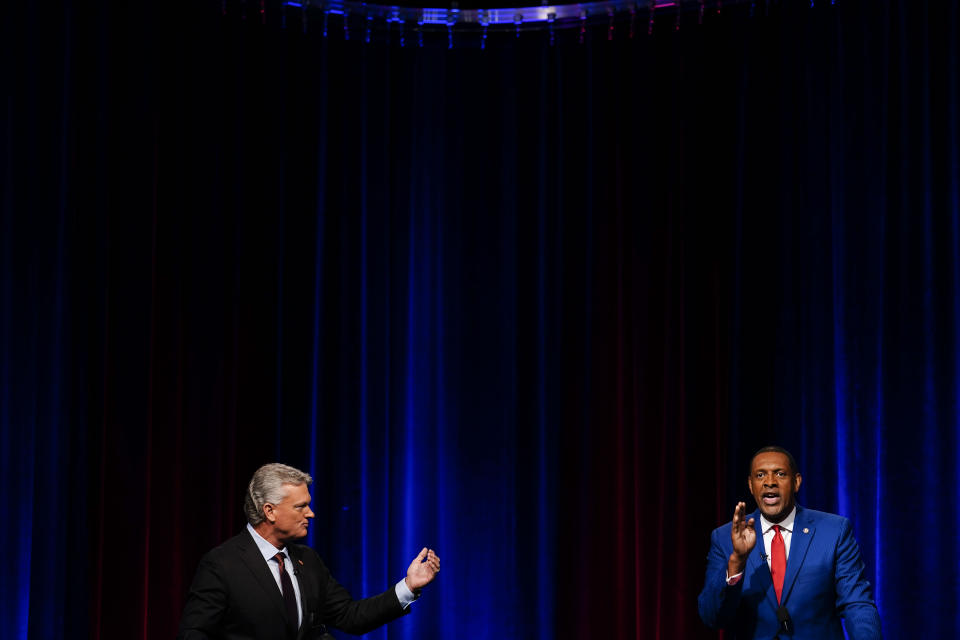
(776,515)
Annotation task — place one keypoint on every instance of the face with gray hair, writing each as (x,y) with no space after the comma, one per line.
(277,503)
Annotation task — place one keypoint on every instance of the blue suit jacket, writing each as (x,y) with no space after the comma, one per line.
(824,583)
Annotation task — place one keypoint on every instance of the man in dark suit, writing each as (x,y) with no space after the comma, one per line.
(800,581)
(260,585)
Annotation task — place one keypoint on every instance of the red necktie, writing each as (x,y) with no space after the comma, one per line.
(778,561)
(289,597)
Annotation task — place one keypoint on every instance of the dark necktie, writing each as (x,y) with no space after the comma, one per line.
(289,597)
(778,561)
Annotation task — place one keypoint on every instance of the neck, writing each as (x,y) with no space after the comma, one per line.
(780,518)
(265,529)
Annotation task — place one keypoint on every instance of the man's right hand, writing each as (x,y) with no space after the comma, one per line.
(744,538)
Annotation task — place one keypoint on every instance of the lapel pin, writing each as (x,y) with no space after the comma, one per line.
(805,530)
(301,561)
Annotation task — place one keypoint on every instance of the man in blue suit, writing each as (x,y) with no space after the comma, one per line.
(800,581)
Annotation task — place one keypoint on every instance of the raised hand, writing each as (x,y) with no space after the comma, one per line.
(744,538)
(422,570)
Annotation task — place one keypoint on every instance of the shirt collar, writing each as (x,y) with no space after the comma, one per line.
(765,525)
(267,550)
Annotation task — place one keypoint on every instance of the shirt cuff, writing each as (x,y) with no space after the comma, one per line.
(404,595)
(731,580)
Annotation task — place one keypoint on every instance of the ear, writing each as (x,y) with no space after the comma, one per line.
(796,482)
(268,513)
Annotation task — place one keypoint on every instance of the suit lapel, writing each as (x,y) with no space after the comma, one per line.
(304,586)
(252,557)
(758,561)
(800,539)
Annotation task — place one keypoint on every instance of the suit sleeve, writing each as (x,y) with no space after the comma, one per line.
(206,603)
(718,601)
(341,611)
(855,602)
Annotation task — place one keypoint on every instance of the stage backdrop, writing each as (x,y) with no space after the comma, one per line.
(532,305)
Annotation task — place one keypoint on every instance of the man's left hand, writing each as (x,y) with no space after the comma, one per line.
(423,570)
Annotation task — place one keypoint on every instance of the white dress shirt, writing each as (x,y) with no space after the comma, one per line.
(268,551)
(786,532)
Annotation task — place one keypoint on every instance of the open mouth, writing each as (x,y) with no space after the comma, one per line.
(771,498)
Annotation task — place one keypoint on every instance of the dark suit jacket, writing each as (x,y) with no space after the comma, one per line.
(824,582)
(234,596)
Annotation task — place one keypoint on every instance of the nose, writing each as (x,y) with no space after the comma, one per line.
(309,513)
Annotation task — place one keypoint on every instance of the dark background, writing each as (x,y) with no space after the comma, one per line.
(532,305)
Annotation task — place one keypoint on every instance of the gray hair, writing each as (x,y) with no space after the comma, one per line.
(266,485)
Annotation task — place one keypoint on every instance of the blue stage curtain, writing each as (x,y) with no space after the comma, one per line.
(532,305)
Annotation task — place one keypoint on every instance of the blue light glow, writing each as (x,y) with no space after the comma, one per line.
(365,443)
(318,256)
(506,16)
